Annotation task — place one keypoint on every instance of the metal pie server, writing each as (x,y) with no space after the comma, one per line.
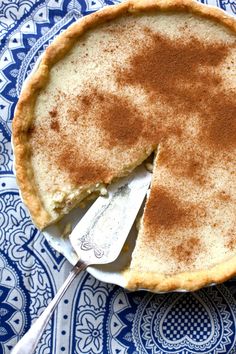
(97,239)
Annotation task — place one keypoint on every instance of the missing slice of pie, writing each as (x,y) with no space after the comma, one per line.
(135,78)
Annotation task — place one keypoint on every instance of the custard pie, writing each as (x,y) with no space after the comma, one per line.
(133,79)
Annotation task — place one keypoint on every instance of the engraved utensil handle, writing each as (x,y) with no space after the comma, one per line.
(29,341)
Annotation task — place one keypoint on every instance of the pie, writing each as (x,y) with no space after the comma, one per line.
(120,84)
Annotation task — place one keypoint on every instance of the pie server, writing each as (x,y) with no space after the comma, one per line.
(97,239)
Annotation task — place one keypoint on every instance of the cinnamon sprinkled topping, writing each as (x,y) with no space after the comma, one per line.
(120,121)
(53,113)
(231,240)
(223,196)
(219,126)
(81,170)
(164,211)
(183,74)
(54,125)
(85,100)
(187,251)
(185,163)
(231,244)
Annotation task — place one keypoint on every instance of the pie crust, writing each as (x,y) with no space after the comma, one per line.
(22,131)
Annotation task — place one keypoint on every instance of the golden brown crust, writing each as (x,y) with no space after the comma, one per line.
(24,116)
(21,125)
(189,281)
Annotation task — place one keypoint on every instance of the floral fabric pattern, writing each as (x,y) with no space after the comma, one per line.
(93,317)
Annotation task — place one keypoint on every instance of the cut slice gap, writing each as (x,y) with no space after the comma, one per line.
(75,215)
(124,260)
(55,235)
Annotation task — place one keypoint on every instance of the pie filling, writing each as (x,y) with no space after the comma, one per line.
(63,202)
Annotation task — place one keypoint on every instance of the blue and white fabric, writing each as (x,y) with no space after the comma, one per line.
(93,317)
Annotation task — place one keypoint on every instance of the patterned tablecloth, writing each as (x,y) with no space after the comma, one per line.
(93,317)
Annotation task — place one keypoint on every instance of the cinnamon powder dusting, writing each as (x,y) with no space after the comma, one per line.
(117,118)
(231,244)
(53,113)
(185,163)
(231,240)
(54,124)
(223,196)
(183,74)
(81,169)
(164,211)
(68,157)
(120,120)
(186,252)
